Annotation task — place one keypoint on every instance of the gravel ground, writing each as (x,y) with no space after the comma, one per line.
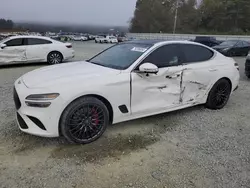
(195,147)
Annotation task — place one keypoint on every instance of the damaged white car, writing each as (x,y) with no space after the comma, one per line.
(127,81)
(31,49)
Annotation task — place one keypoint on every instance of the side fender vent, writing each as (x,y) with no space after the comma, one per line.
(123,109)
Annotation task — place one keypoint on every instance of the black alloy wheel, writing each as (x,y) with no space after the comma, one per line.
(219,94)
(84,120)
(55,58)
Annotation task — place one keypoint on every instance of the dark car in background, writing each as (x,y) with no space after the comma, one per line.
(233,48)
(247,67)
(206,40)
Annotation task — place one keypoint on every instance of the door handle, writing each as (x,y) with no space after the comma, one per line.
(173,76)
(212,70)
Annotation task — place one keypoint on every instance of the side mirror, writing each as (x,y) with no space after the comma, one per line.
(3,46)
(148,68)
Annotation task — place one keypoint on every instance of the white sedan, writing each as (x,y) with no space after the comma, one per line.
(127,81)
(30,49)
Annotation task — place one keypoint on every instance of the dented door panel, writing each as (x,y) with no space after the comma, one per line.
(10,55)
(155,92)
(196,81)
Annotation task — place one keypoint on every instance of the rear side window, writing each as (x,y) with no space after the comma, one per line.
(15,42)
(34,41)
(195,53)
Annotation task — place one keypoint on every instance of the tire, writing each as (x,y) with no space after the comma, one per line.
(219,95)
(95,41)
(84,120)
(54,58)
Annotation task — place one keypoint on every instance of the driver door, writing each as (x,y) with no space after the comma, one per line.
(153,93)
(14,52)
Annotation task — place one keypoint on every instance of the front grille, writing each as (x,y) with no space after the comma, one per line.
(21,122)
(16,99)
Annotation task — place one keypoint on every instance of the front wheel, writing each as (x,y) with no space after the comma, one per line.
(84,120)
(54,58)
(219,94)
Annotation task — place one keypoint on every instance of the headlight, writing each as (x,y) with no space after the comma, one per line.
(42,97)
(226,49)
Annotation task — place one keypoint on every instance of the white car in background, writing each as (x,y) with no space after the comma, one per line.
(77,38)
(30,49)
(112,39)
(106,39)
(100,39)
(84,38)
(127,81)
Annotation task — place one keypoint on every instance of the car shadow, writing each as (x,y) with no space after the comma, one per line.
(28,64)
(22,65)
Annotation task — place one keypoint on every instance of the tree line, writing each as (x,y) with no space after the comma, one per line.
(207,16)
(6,24)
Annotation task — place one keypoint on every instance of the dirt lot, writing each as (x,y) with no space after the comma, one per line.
(195,147)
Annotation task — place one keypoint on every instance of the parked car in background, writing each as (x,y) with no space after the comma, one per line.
(27,49)
(233,48)
(77,38)
(130,80)
(122,38)
(84,38)
(247,66)
(111,39)
(106,39)
(100,39)
(206,40)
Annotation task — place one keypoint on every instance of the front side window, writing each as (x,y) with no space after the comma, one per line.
(120,56)
(165,56)
(34,41)
(14,42)
(196,53)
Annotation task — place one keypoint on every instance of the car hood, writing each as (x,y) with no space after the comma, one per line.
(57,74)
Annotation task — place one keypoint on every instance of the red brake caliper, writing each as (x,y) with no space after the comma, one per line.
(95,116)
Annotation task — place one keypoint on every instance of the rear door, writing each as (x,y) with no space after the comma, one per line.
(152,93)
(199,72)
(37,49)
(14,52)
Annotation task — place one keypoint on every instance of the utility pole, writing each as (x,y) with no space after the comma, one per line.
(176,16)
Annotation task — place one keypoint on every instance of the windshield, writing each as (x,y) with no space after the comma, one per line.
(120,56)
(229,43)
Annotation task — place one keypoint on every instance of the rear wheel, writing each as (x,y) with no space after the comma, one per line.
(54,58)
(219,94)
(84,120)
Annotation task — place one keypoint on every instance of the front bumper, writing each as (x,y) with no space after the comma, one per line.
(33,120)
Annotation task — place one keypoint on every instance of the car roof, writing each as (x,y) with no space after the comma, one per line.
(160,41)
(29,36)
(145,41)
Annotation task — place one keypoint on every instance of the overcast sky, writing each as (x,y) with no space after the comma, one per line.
(96,12)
